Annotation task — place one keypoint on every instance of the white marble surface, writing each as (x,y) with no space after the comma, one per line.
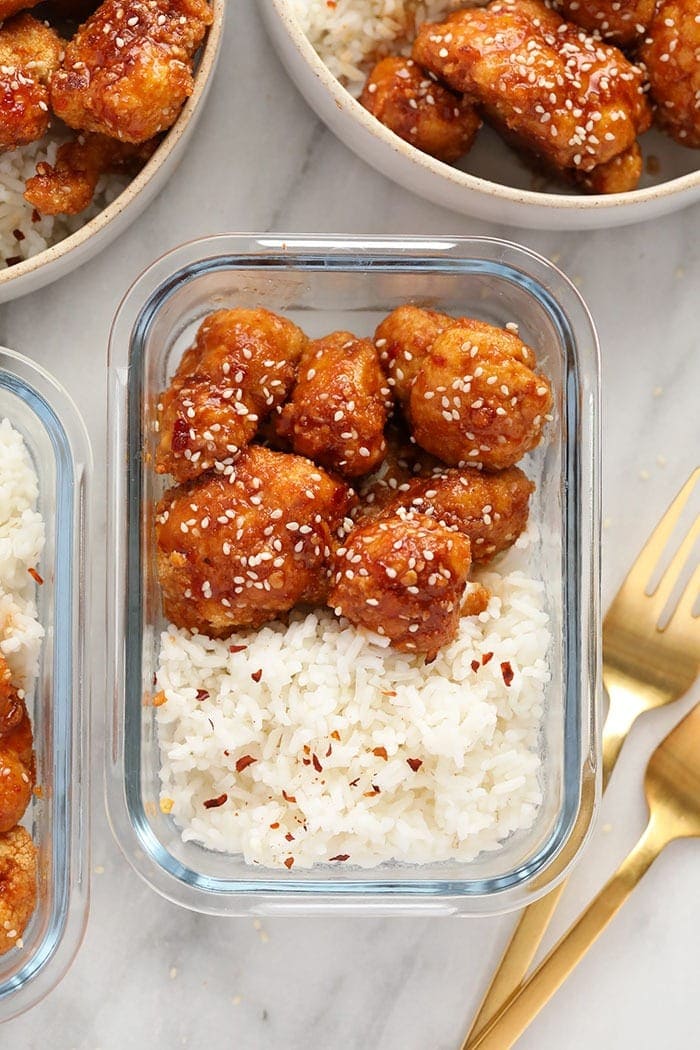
(152,975)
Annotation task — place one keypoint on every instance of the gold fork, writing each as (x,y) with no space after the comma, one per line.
(672,788)
(643,668)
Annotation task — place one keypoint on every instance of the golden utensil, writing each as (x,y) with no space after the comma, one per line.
(672,788)
(643,668)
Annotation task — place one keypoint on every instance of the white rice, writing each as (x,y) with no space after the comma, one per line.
(353,32)
(475,737)
(22,540)
(18,216)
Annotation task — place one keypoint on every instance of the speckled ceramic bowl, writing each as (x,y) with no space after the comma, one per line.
(71,252)
(497,186)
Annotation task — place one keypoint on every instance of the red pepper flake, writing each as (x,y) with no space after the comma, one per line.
(380,752)
(388,692)
(317,765)
(288,862)
(227,753)
(202,694)
(244,762)
(415,763)
(289,837)
(12,260)
(485,658)
(306,761)
(36,216)
(257,675)
(507,672)
(341,856)
(35,576)
(354,783)
(275,825)
(329,752)
(18,235)
(375,791)
(475,666)
(288,798)
(214,803)
(237,648)
(335,734)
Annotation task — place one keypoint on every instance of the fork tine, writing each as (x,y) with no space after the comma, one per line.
(664,588)
(645,564)
(683,613)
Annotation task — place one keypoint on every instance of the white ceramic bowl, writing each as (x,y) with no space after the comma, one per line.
(66,255)
(496,187)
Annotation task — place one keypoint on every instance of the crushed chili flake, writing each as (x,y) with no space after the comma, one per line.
(475,666)
(244,762)
(317,765)
(227,752)
(289,837)
(389,692)
(159,699)
(341,856)
(329,752)
(380,752)
(335,734)
(507,672)
(12,260)
(485,658)
(288,862)
(36,216)
(35,576)
(275,825)
(18,235)
(375,791)
(306,761)
(288,798)
(257,675)
(202,694)
(214,803)
(415,763)
(237,648)
(354,783)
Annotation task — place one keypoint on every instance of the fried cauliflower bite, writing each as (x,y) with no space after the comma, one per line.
(337,412)
(671,54)
(404,577)
(490,509)
(619,175)
(238,551)
(29,53)
(241,367)
(423,112)
(68,186)
(128,70)
(12,7)
(404,461)
(476,399)
(403,339)
(18,884)
(622,22)
(568,98)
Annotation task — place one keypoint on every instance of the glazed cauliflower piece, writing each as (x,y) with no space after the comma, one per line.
(241,367)
(671,54)
(420,110)
(622,22)
(241,550)
(338,409)
(18,885)
(403,576)
(565,97)
(29,54)
(403,339)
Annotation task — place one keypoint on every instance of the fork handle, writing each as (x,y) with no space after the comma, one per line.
(535,919)
(502,1031)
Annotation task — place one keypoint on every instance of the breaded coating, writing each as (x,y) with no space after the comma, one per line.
(239,551)
(476,400)
(491,509)
(16,752)
(241,367)
(622,22)
(412,104)
(404,461)
(18,883)
(128,70)
(338,409)
(671,53)
(619,175)
(567,97)
(29,54)
(404,577)
(67,187)
(12,7)
(15,788)
(403,339)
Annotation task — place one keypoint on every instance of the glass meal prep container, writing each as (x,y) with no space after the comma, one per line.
(324,284)
(57,816)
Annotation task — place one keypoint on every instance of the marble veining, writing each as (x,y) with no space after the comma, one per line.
(152,975)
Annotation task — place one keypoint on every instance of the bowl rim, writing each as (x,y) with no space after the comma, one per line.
(99,222)
(464,180)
